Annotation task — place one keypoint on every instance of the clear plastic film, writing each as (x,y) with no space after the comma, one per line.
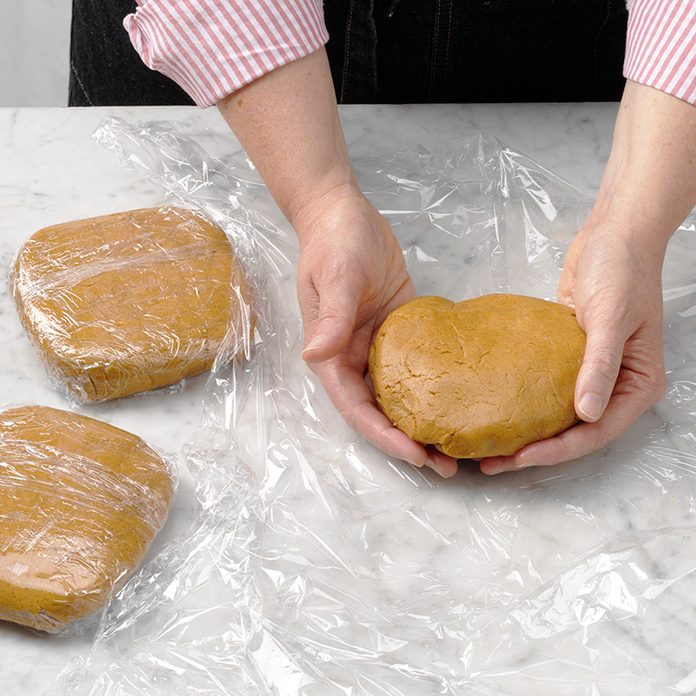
(80,503)
(317,566)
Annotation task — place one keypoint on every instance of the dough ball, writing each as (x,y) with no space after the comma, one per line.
(80,502)
(128,302)
(479,378)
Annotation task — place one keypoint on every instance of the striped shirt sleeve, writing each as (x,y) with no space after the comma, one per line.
(212,48)
(661,46)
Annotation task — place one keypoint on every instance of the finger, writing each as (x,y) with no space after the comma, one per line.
(600,368)
(353,398)
(333,327)
(623,410)
(442,463)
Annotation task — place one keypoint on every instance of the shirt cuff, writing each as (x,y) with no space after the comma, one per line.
(661,46)
(212,48)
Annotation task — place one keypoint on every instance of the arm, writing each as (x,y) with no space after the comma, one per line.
(612,274)
(288,123)
(649,179)
(351,272)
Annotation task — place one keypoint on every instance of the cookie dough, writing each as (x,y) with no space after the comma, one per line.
(479,378)
(80,502)
(128,302)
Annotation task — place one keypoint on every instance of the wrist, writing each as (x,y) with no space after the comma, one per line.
(304,210)
(633,247)
(632,216)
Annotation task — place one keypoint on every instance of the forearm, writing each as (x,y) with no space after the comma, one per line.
(288,123)
(649,185)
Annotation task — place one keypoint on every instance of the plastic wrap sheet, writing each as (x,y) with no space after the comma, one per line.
(80,503)
(127,302)
(318,567)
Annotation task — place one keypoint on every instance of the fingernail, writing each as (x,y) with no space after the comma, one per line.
(439,468)
(502,469)
(522,461)
(416,464)
(314,343)
(591,406)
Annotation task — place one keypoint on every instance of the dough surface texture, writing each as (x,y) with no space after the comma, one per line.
(128,302)
(478,378)
(80,503)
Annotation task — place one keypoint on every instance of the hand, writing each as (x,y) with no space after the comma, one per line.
(351,275)
(612,274)
(613,279)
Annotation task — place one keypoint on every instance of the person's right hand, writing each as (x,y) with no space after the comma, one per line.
(351,272)
(351,275)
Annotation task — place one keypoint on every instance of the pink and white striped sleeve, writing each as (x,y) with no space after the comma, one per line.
(211,48)
(661,46)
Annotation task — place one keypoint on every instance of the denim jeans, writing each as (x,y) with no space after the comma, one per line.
(400,51)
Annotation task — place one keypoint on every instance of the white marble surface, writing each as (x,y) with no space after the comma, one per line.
(52,171)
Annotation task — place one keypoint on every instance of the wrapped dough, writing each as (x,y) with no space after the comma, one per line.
(479,378)
(80,503)
(128,302)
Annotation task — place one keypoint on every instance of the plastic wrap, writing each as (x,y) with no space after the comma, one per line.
(127,302)
(80,503)
(319,567)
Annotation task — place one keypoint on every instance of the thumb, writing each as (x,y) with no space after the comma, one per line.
(334,325)
(599,370)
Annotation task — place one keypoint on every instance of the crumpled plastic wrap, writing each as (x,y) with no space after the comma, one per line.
(317,566)
(80,503)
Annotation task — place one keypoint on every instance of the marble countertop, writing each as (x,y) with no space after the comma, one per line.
(51,170)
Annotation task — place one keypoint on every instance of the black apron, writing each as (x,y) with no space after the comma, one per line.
(399,51)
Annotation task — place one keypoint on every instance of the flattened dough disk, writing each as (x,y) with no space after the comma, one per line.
(479,378)
(80,502)
(128,302)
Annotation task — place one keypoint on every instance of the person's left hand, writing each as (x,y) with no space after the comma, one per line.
(613,279)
